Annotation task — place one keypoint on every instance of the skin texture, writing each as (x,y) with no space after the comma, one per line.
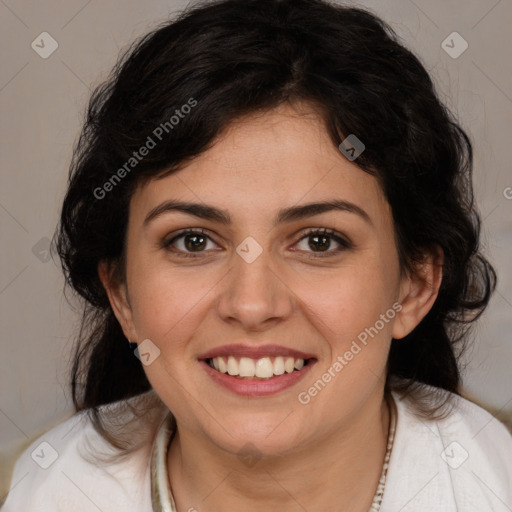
(327,454)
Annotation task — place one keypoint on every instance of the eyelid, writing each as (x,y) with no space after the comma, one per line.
(325,231)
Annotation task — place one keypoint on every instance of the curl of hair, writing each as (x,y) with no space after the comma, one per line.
(238,57)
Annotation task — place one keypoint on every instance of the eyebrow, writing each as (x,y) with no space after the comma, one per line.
(285,215)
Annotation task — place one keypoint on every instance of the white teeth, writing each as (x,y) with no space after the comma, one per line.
(289,364)
(278,366)
(246,368)
(262,368)
(232,366)
(223,367)
(299,364)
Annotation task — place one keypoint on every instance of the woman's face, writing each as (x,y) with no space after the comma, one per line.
(253,284)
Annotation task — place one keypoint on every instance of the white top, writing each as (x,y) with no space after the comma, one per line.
(462,463)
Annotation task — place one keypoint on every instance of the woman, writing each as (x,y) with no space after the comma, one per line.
(270,220)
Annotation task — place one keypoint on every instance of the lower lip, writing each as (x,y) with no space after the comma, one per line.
(255,387)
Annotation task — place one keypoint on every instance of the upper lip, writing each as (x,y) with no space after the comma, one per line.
(252,352)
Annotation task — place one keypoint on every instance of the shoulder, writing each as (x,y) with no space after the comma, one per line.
(460,461)
(73,468)
(467,430)
(487,437)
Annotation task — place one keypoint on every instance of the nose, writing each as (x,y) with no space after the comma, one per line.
(254,296)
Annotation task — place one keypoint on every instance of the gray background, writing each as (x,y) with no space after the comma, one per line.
(41,109)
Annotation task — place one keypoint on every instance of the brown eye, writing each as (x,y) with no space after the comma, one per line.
(194,242)
(190,241)
(321,241)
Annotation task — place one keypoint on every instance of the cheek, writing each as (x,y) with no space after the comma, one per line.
(346,310)
(347,301)
(166,303)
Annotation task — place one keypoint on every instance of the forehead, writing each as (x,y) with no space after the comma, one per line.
(264,161)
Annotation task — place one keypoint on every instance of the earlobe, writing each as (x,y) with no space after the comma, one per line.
(118,298)
(419,291)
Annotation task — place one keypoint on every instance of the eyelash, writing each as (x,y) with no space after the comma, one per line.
(329,233)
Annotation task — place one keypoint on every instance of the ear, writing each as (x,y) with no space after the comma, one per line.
(418,292)
(118,298)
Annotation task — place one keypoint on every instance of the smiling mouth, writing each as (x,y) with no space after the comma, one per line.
(264,368)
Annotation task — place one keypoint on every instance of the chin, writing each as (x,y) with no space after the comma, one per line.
(253,437)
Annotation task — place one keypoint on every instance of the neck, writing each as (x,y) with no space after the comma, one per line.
(341,471)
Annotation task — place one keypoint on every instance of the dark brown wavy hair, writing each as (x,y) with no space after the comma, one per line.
(236,57)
